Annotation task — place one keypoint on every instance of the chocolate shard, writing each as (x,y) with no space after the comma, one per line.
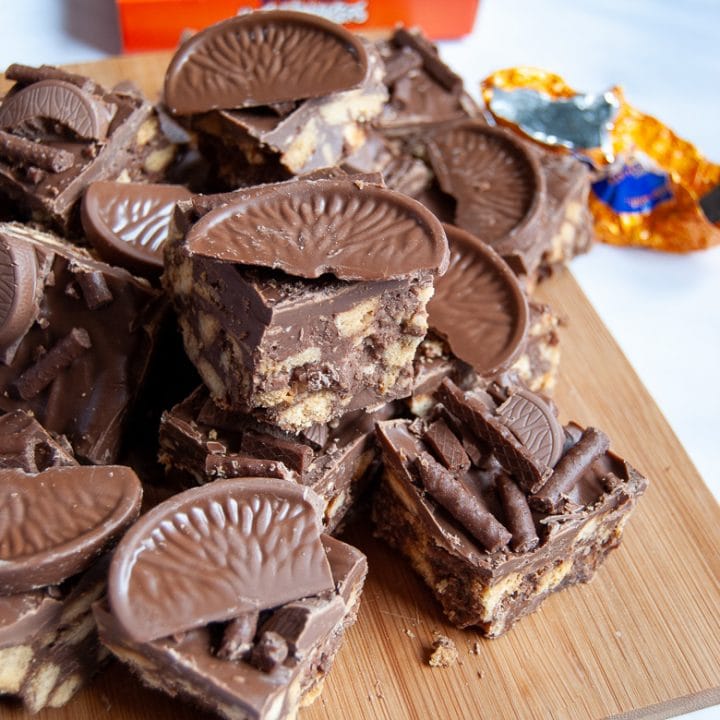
(263,58)
(518,514)
(293,454)
(302,624)
(79,111)
(309,228)
(534,424)
(431,61)
(238,545)
(479,306)
(29,153)
(237,640)
(94,288)
(316,435)
(401,64)
(447,447)
(53,524)
(37,377)
(510,452)
(465,507)
(269,652)
(27,446)
(592,444)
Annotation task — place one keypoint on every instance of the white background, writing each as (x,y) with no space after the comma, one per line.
(664,310)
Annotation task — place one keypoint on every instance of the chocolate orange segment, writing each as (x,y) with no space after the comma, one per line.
(308,228)
(496,182)
(263,58)
(479,306)
(61,101)
(215,552)
(54,524)
(127,223)
(18,305)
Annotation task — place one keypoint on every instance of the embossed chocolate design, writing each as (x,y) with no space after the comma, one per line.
(479,306)
(18,304)
(328,226)
(127,223)
(534,424)
(496,182)
(54,524)
(60,101)
(260,59)
(215,552)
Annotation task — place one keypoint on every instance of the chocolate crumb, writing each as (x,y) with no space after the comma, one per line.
(269,652)
(444,652)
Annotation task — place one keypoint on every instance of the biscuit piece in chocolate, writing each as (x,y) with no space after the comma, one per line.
(56,526)
(490,550)
(80,360)
(250,668)
(335,327)
(200,442)
(127,223)
(59,132)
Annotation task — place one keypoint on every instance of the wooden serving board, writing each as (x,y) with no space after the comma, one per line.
(642,640)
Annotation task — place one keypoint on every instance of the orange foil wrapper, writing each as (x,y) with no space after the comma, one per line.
(675,222)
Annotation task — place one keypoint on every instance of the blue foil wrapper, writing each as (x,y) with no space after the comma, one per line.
(631,186)
(578,123)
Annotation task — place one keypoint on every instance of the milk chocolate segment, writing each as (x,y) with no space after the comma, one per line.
(498,186)
(18,283)
(479,306)
(293,454)
(239,545)
(127,223)
(308,228)
(54,524)
(261,59)
(534,424)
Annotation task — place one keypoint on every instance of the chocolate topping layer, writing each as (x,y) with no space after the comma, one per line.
(215,552)
(308,228)
(55,523)
(263,58)
(127,223)
(87,117)
(479,306)
(534,424)
(18,291)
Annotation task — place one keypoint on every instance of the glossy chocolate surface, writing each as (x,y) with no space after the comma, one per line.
(263,58)
(54,524)
(479,306)
(309,228)
(127,223)
(212,553)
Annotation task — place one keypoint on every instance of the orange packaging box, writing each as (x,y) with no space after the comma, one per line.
(159,24)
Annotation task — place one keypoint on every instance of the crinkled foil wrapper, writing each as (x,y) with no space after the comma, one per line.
(677,224)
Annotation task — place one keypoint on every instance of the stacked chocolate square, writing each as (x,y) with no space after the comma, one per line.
(354,291)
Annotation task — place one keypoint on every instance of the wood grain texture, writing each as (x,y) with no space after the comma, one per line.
(642,640)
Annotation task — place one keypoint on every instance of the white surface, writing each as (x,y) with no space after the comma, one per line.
(664,310)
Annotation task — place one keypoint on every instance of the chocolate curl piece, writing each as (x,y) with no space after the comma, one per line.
(592,444)
(518,514)
(447,447)
(237,639)
(26,75)
(37,377)
(20,149)
(462,504)
(94,288)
